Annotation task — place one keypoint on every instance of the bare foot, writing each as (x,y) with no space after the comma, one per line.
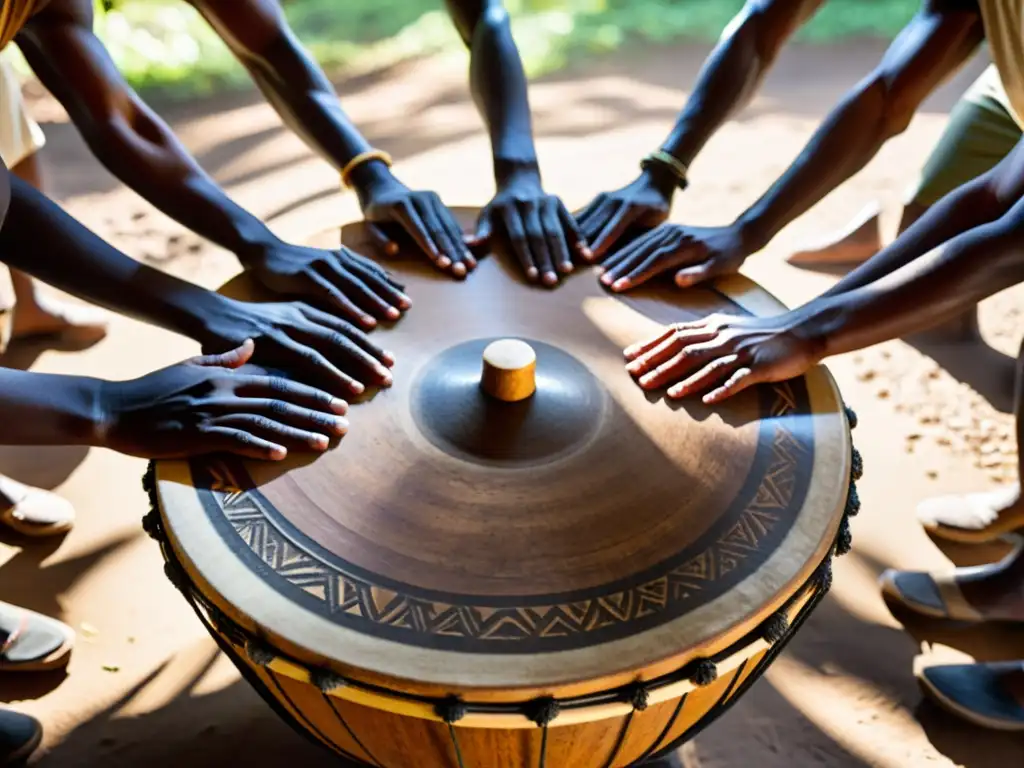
(973,518)
(858,242)
(45,316)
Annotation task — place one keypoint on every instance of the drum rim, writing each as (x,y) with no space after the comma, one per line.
(233,584)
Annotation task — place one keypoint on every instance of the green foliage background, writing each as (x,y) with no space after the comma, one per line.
(165,44)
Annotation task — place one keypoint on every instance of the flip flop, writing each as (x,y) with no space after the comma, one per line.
(976,693)
(19,737)
(971,518)
(31,642)
(35,513)
(937,596)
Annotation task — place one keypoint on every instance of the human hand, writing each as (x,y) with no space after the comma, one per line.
(390,207)
(349,284)
(645,202)
(724,354)
(701,252)
(205,405)
(541,232)
(308,344)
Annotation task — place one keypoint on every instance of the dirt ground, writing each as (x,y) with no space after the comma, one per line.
(146,685)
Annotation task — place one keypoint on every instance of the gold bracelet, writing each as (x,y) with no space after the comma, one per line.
(361,159)
(670,161)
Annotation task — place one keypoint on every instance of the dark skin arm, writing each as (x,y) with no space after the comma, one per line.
(936,42)
(201,406)
(967,247)
(42,240)
(731,75)
(259,36)
(140,149)
(541,232)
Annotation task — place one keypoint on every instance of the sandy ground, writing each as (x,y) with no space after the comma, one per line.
(146,686)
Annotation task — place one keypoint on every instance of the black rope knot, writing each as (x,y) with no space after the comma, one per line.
(451,710)
(176,577)
(639,697)
(258,654)
(852,501)
(149,480)
(152,524)
(543,711)
(775,627)
(326,680)
(823,576)
(704,673)
(851,417)
(844,539)
(856,465)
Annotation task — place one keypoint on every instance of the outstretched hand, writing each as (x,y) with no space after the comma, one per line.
(392,210)
(310,345)
(697,253)
(722,355)
(341,280)
(644,203)
(206,405)
(541,232)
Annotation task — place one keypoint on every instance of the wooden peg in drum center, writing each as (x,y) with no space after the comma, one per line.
(509,371)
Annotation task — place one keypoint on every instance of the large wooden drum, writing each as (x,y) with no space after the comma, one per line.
(581,579)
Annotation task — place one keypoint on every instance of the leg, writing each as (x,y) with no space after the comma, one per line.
(981,132)
(35,314)
(977,518)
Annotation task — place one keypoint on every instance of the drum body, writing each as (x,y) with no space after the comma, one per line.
(583,579)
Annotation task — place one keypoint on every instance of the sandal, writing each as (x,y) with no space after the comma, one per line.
(19,737)
(31,642)
(34,512)
(978,693)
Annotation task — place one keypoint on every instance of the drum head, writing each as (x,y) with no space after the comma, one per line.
(458,540)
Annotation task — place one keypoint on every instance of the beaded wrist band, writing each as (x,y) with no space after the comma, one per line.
(361,159)
(668,161)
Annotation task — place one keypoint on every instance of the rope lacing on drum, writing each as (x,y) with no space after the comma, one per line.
(258,653)
(703,672)
(326,680)
(844,536)
(638,697)
(543,712)
(451,710)
(775,627)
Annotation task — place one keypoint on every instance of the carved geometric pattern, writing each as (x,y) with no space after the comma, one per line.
(358,599)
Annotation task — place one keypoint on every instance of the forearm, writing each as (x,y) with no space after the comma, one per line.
(734,70)
(131,140)
(979,201)
(924,292)
(44,409)
(291,80)
(498,82)
(42,240)
(928,50)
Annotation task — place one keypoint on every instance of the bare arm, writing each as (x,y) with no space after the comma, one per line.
(290,79)
(259,36)
(735,69)
(731,74)
(124,133)
(980,201)
(498,81)
(930,48)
